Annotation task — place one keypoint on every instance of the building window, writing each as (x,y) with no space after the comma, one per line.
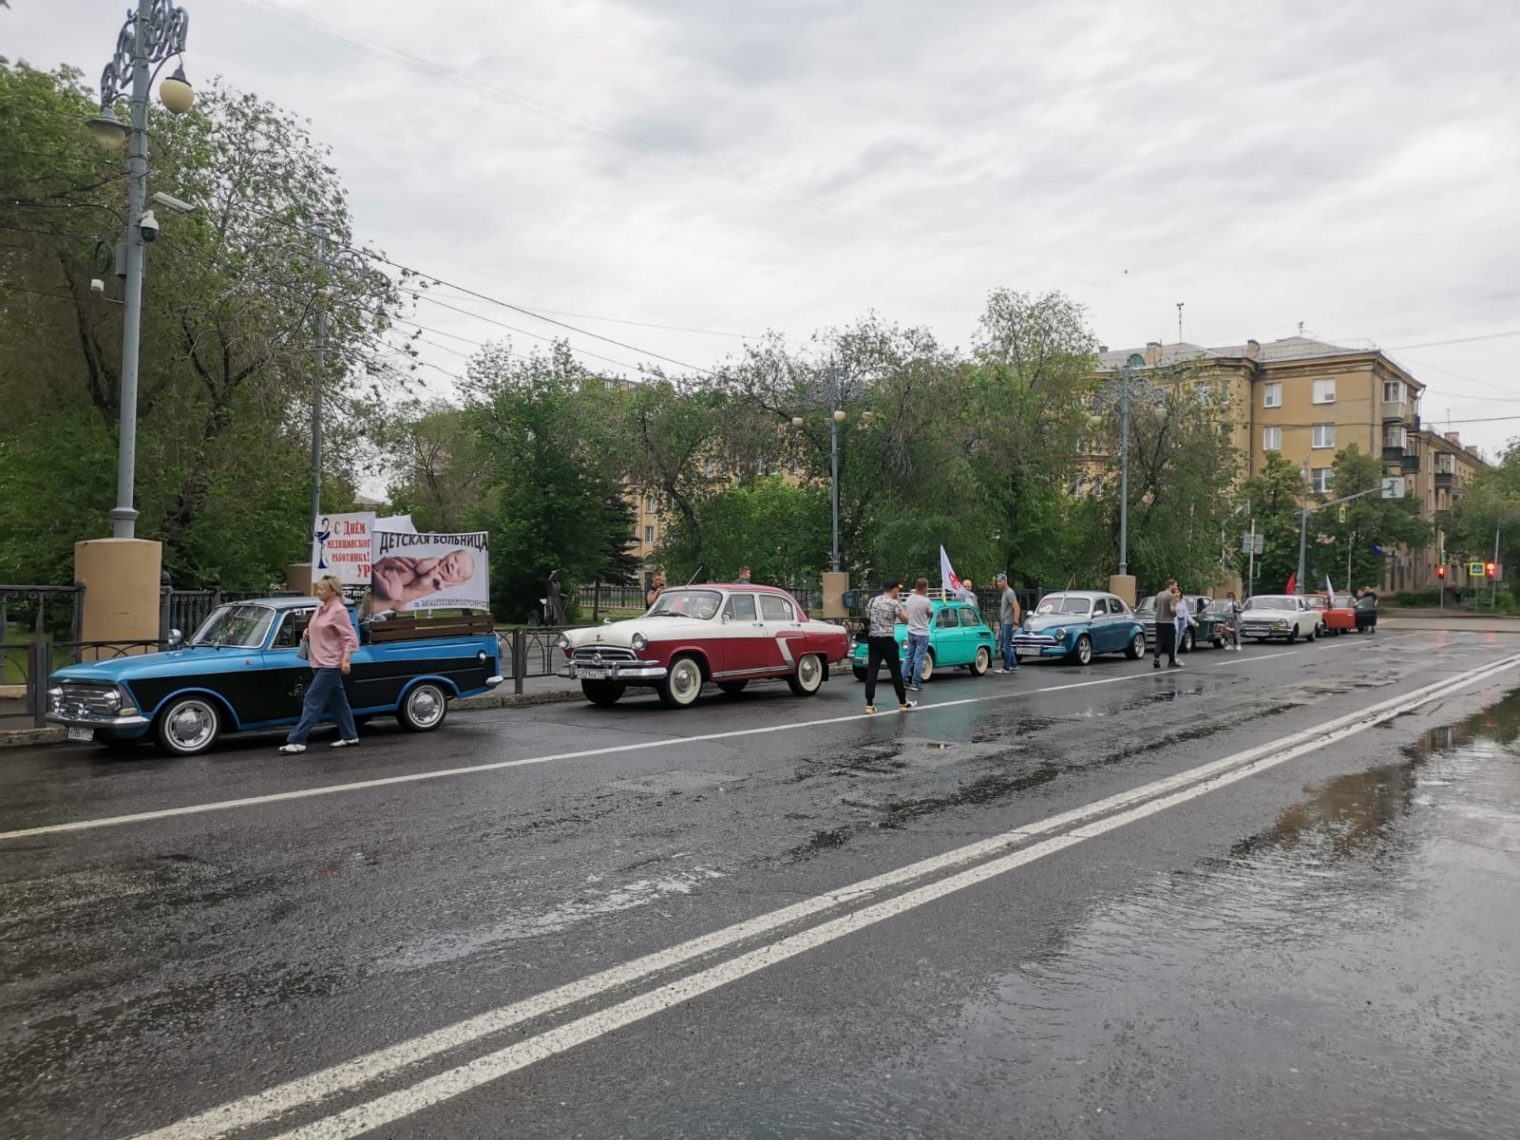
(709,469)
(649,504)
(649,534)
(1322,477)
(791,467)
(1393,391)
(1446,464)
(1324,391)
(1324,435)
(1271,439)
(1271,395)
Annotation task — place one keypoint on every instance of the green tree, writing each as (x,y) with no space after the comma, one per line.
(543,427)
(774,527)
(1275,497)
(1372,524)
(1489,506)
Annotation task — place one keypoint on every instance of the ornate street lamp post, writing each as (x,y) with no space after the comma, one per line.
(149,37)
(837,417)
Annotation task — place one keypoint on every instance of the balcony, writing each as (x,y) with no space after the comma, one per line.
(1393,452)
(1446,480)
(1411,463)
(1396,411)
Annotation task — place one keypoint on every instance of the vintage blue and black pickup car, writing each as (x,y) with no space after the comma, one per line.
(240,671)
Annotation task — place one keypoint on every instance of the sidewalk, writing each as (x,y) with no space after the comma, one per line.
(16,730)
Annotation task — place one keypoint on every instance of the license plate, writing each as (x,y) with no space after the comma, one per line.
(588,674)
(82,735)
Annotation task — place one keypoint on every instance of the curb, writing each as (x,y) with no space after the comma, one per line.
(30,737)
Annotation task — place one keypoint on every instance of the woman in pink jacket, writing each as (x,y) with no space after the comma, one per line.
(330,641)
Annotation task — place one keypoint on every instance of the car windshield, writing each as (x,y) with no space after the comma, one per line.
(1060,604)
(701,604)
(1273,602)
(241,625)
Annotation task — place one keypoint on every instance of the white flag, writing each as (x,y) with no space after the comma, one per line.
(947,577)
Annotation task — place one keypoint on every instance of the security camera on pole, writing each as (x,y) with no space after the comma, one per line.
(121,574)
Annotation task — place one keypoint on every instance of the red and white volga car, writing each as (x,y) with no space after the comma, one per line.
(728,634)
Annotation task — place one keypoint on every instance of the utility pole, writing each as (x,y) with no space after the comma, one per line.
(316,383)
(1493,583)
(835,419)
(1126,375)
(1251,563)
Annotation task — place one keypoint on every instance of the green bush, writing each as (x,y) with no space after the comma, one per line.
(1416,599)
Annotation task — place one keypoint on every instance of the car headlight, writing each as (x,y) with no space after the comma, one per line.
(1281,624)
(112,699)
(1059,633)
(564,641)
(640,643)
(55,698)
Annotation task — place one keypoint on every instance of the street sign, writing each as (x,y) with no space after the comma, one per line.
(1246,546)
(1475,569)
(1393,487)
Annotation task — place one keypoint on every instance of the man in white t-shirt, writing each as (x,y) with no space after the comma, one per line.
(920,614)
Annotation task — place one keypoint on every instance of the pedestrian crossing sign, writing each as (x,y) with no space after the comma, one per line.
(1475,569)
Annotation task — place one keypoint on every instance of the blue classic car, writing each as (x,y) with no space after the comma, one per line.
(1077,625)
(240,671)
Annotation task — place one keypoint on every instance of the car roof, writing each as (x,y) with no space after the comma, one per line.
(284,602)
(1076,594)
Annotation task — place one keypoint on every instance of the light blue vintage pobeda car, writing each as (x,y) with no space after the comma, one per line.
(240,671)
(1078,625)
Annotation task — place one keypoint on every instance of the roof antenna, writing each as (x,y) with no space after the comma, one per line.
(1179,322)
(1300,328)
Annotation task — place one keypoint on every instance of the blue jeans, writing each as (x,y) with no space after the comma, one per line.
(1010,657)
(325,694)
(918,649)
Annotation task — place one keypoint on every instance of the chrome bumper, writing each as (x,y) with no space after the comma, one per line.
(91,720)
(616,671)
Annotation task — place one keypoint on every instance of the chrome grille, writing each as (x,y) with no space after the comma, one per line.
(602,655)
(82,698)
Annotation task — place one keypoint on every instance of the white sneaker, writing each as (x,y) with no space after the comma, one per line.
(344,743)
(292,748)
(906,705)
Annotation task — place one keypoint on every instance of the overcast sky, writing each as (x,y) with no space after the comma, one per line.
(792,164)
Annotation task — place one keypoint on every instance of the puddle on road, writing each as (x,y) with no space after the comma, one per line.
(1349,970)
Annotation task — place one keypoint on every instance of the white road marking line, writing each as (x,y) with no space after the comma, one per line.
(499,765)
(274,1102)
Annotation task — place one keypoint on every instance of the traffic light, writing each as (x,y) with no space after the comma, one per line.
(1440,572)
(1491,569)
(1341,514)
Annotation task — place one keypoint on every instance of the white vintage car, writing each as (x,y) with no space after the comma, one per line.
(730,634)
(1279,615)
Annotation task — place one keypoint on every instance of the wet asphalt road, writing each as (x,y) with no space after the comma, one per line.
(1325,947)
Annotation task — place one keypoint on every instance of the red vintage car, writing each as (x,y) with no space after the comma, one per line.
(729,633)
(1337,614)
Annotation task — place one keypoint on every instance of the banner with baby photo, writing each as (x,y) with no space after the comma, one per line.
(430,571)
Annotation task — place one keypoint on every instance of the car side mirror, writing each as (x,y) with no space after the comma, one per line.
(727,618)
(606,621)
(175,637)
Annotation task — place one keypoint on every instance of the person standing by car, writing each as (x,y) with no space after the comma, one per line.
(1366,609)
(920,613)
(967,594)
(1009,616)
(330,642)
(882,615)
(1184,619)
(656,588)
(1166,626)
(1232,607)
(744,576)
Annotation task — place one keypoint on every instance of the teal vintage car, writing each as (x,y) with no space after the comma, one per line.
(958,638)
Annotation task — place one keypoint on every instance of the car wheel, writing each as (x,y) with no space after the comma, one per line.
(1292,635)
(1082,654)
(1136,648)
(859,671)
(809,676)
(926,666)
(603,693)
(423,709)
(732,688)
(189,726)
(981,662)
(682,685)
(1217,642)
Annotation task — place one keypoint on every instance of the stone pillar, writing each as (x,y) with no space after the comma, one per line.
(1124,586)
(121,578)
(298,577)
(835,583)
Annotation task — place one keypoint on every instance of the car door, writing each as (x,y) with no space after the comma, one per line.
(946,639)
(1100,628)
(785,638)
(1119,622)
(283,674)
(746,644)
